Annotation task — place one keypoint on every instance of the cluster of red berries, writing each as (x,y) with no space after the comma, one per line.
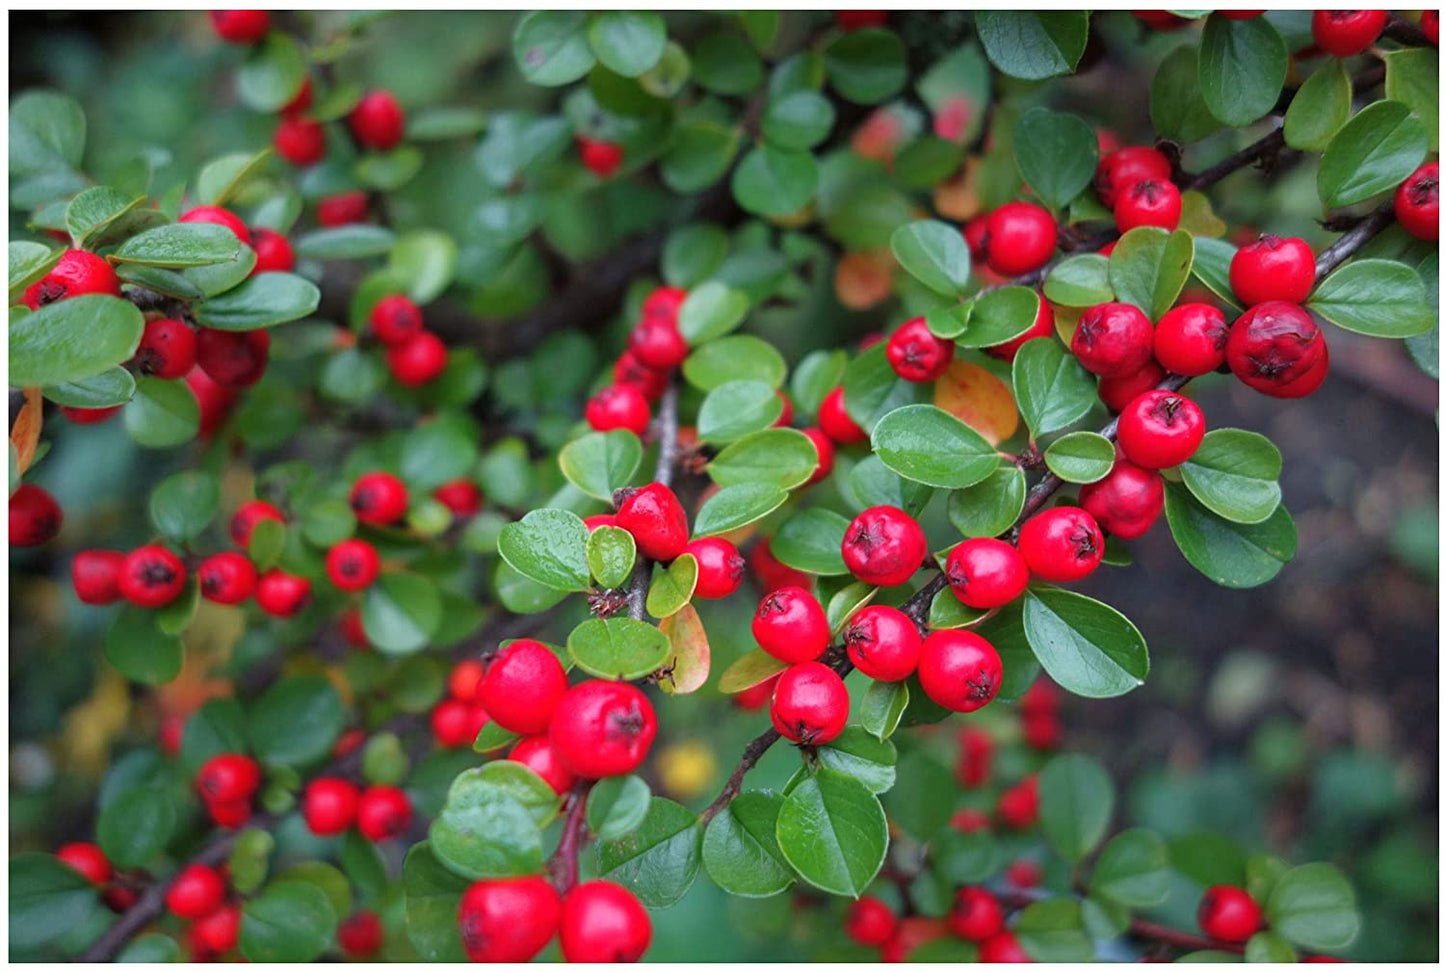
(331,805)
(512,920)
(90,861)
(639,377)
(227,784)
(414,355)
(1135,182)
(975,915)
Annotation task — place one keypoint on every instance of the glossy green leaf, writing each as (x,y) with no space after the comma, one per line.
(184,504)
(740,848)
(735,409)
(600,463)
(611,553)
(775,182)
(1056,154)
(1149,268)
(618,648)
(1314,906)
(812,541)
(935,254)
(162,414)
(73,339)
(865,757)
(1088,647)
(617,805)
(672,586)
(866,66)
(627,42)
(1371,154)
(989,507)
(550,47)
(272,73)
(1033,45)
(111,387)
(1176,102)
(433,896)
(1242,67)
(1231,554)
(1076,802)
(738,357)
(710,311)
(1320,108)
(137,647)
(1080,457)
(1412,77)
(549,546)
(1051,387)
(882,707)
(831,829)
(264,300)
(1380,298)
(136,826)
(737,505)
(798,120)
(784,457)
(926,444)
(401,612)
(1133,869)
(1235,474)
(485,831)
(296,721)
(658,860)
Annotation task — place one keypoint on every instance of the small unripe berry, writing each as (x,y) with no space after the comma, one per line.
(395,319)
(1344,33)
(227,578)
(233,359)
(1113,340)
(96,576)
(377,121)
(1043,326)
(196,891)
(78,273)
(273,252)
(523,686)
(810,704)
(228,777)
(35,516)
(87,859)
(537,754)
(656,521)
(601,158)
(1061,545)
(359,936)
(959,670)
(300,141)
(342,209)
(1148,202)
(282,594)
(619,406)
(417,361)
(352,565)
(1021,238)
(1160,430)
(379,498)
(602,728)
(1417,201)
(167,349)
(383,813)
(1277,349)
(835,422)
(329,805)
(883,643)
(720,567)
(1190,339)
(884,546)
(986,573)
(219,217)
(916,354)
(240,26)
(1273,268)
(151,576)
(657,343)
(510,920)
(790,625)
(975,915)
(1127,501)
(869,922)
(1229,914)
(1018,806)
(243,523)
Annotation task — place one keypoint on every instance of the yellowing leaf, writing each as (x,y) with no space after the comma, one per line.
(981,401)
(691,655)
(25,432)
(863,280)
(1198,216)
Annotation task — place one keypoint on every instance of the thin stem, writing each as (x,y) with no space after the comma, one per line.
(1183,940)
(666,425)
(1350,243)
(751,754)
(563,866)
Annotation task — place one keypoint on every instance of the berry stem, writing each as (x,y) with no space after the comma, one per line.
(666,430)
(562,868)
(751,754)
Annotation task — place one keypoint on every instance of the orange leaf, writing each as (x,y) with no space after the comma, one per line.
(981,401)
(691,654)
(863,280)
(25,432)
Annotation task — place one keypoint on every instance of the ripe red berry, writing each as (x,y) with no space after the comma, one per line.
(883,643)
(601,519)
(88,416)
(916,355)
(282,594)
(1417,201)
(664,302)
(455,724)
(1229,914)
(1190,339)
(959,670)
(1018,806)
(243,523)
(833,418)
(912,933)
(757,696)
(35,516)
(810,704)
(240,26)
(790,625)
(1160,429)
(1061,545)
(1272,268)
(78,273)
(96,575)
(986,573)
(1430,24)
(859,19)
(602,728)
(384,812)
(87,859)
(1148,202)
(300,101)
(720,567)
(523,686)
(1113,340)
(1021,238)
(649,382)
(329,805)
(975,757)
(377,121)
(975,234)
(975,915)
(227,578)
(657,343)
(220,217)
(537,754)
(869,922)
(826,454)
(233,359)
(1117,393)
(167,349)
(884,546)
(771,573)
(418,360)
(231,815)
(1127,501)
(465,681)
(1123,167)
(510,920)
(395,319)
(1277,349)
(656,521)
(300,141)
(359,936)
(601,158)
(196,892)
(342,209)
(619,406)
(461,496)
(1344,33)
(273,252)
(352,565)
(217,932)
(1043,326)
(1002,948)
(970,821)
(151,576)
(378,498)
(1042,732)
(228,777)
(212,400)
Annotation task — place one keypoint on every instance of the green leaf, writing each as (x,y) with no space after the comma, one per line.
(1076,802)
(112,387)
(611,552)
(1242,67)
(921,801)
(184,504)
(741,357)
(1371,154)
(90,212)
(832,830)
(292,921)
(600,463)
(426,261)
(47,131)
(1056,154)
(692,253)
(136,826)
(48,899)
(926,444)
(672,586)
(754,667)
(353,242)
(1053,931)
(867,66)
(548,546)
(1176,103)
(699,155)
(28,263)
(1088,647)
(947,612)
(1412,77)
(1033,45)
(737,505)
(726,63)
(150,948)
(218,726)
(1235,474)
(775,182)
(389,171)
(618,648)
(273,72)
(627,42)
(783,457)
(812,541)
(529,789)
(658,860)
(740,849)
(264,300)
(401,612)
(1268,947)
(296,722)
(1320,108)
(989,507)
(1051,387)
(1211,267)
(870,760)
(1080,457)
(871,388)
(550,47)
(617,805)
(882,707)
(873,484)
(73,339)
(516,141)
(1149,268)
(433,897)
(998,317)
(1233,555)
(1380,298)
(216,279)
(735,409)
(162,414)
(1133,869)
(485,831)
(710,311)
(444,123)
(137,647)
(1314,906)
(223,176)
(180,244)
(798,120)
(935,254)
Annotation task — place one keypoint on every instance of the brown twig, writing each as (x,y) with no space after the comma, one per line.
(562,868)
(754,751)
(1349,244)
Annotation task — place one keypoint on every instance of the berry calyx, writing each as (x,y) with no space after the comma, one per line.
(883,643)
(196,892)
(35,516)
(377,121)
(975,915)
(509,920)
(282,594)
(87,859)
(1273,268)
(273,252)
(360,935)
(1160,429)
(656,520)
(218,216)
(1417,201)
(329,805)
(1344,33)
(602,728)
(537,754)
(1127,501)
(1061,545)
(233,359)
(619,406)
(1113,340)
(228,777)
(657,343)
(96,575)
(1148,202)
(869,922)
(523,686)
(720,567)
(1021,238)
(78,273)
(790,625)
(395,319)
(884,546)
(1229,914)
(379,498)
(603,922)
(151,576)
(1277,349)
(916,354)
(1043,326)
(383,813)
(986,573)
(1190,339)
(352,565)
(167,349)
(300,141)
(240,26)
(959,670)
(227,578)
(810,704)
(243,523)
(835,422)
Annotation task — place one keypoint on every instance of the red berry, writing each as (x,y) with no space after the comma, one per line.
(785,417)
(329,805)
(884,546)
(523,686)
(916,355)
(455,724)
(212,400)
(461,496)
(619,406)
(282,594)
(1061,545)
(1042,698)
(87,859)
(1127,501)
(1190,339)
(1125,166)
(384,812)
(227,578)
(196,892)
(342,209)
(602,158)
(300,101)
(602,728)
(835,422)
(233,359)
(167,349)
(243,523)
(912,932)
(664,302)
(790,625)
(352,565)
(975,757)
(826,454)
(219,217)
(419,360)
(1021,238)
(1042,732)
(228,777)
(35,516)
(810,704)
(601,519)
(975,234)
(1002,948)
(240,26)
(395,319)
(657,343)
(78,273)
(273,252)
(465,681)
(720,567)
(1043,326)
(300,141)
(771,573)
(970,821)
(1347,32)
(959,670)
(360,934)
(377,121)
(883,643)
(1160,430)
(151,576)
(859,19)
(757,696)
(656,521)
(975,914)
(1113,340)
(1148,202)
(986,573)
(1272,268)
(96,575)
(510,920)
(1417,201)
(88,416)
(231,815)
(1018,806)
(379,498)
(217,932)
(537,754)
(1116,393)
(1277,349)
(349,741)
(869,922)
(649,382)
(1229,913)
(1430,24)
